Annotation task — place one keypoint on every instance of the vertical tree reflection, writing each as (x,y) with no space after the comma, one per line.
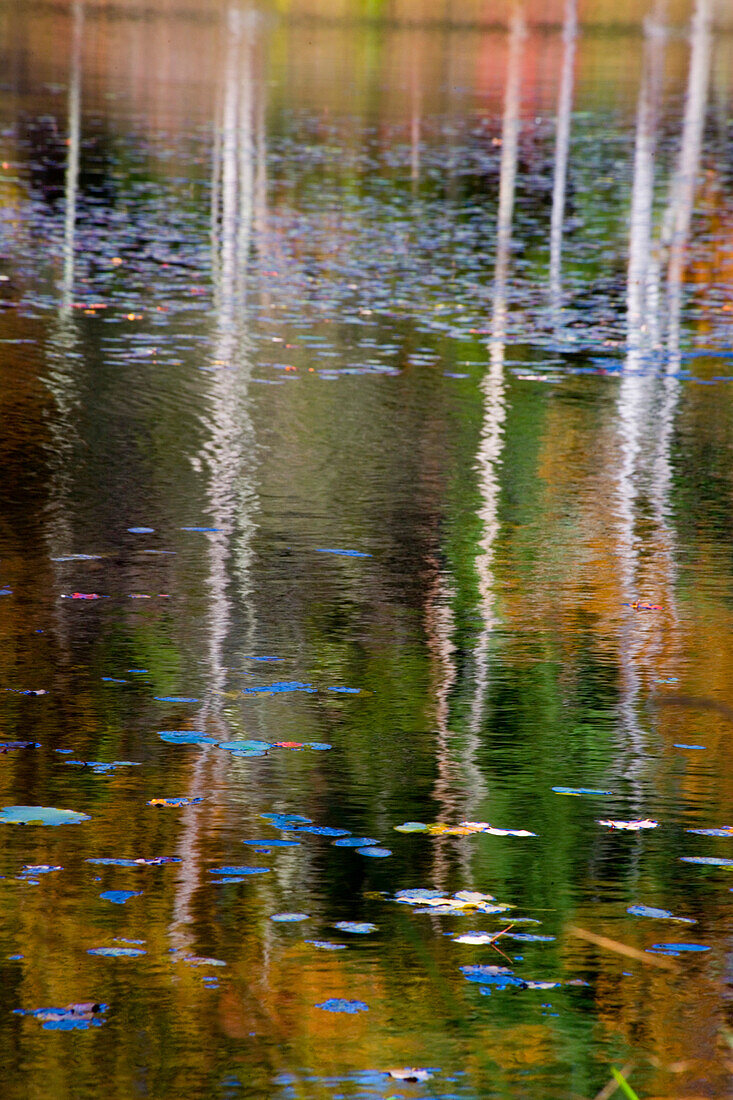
(647,402)
(227,456)
(61,377)
(562,146)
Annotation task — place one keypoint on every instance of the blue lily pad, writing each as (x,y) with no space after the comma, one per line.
(176,699)
(40,815)
(155,861)
(186,737)
(247,746)
(676,948)
(119,897)
(375,853)
(346,691)
(679,745)
(359,928)
(238,870)
(206,529)
(343,553)
(339,1004)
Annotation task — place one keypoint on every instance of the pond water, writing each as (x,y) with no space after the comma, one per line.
(366,589)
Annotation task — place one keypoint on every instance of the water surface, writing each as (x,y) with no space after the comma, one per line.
(366,447)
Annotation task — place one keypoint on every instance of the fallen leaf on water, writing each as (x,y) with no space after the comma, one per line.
(359,928)
(40,815)
(632,826)
(117,952)
(339,1004)
(174,801)
(119,897)
(71,1017)
(411,1075)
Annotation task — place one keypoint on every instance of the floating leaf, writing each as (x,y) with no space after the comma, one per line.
(359,928)
(155,861)
(529,937)
(317,746)
(238,870)
(632,826)
(279,687)
(200,960)
(186,737)
(339,1004)
(246,746)
(34,869)
(141,530)
(119,897)
(676,948)
(286,821)
(726,830)
(346,690)
(681,746)
(326,945)
(40,815)
(176,699)
(579,790)
(276,843)
(322,830)
(413,1076)
(708,861)
(658,914)
(72,1017)
(9,746)
(499,976)
(343,553)
(476,938)
(117,952)
(411,827)
(354,842)
(417,897)
(174,801)
(289,918)
(375,853)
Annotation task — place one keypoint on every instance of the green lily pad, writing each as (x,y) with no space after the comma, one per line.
(40,815)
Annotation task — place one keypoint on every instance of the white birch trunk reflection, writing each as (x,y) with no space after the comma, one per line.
(642,192)
(60,378)
(672,244)
(492,385)
(228,455)
(562,146)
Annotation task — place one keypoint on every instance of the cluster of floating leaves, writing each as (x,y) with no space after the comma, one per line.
(463,828)
(435,901)
(74,1017)
(242,747)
